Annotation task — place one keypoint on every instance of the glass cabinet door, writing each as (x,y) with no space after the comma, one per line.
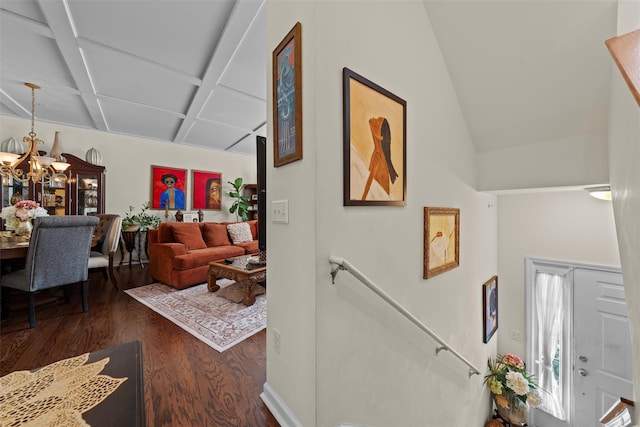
(87,194)
(13,191)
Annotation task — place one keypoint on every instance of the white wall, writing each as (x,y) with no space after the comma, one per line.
(128,162)
(345,357)
(560,225)
(624,161)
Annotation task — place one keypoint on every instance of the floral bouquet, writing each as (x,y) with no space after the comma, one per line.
(21,212)
(512,386)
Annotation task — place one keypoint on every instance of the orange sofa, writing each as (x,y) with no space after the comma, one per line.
(180,252)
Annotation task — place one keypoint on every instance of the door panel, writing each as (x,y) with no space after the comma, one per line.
(602,362)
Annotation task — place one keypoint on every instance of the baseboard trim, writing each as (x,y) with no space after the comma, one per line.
(278,407)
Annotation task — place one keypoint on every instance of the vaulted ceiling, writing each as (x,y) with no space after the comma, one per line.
(193,71)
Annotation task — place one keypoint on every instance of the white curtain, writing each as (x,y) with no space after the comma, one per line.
(550,308)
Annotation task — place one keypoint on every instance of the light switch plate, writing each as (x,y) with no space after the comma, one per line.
(280,211)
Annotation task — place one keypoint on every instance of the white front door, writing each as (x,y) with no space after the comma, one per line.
(602,354)
(599,358)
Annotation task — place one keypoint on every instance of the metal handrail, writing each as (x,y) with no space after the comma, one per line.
(342,264)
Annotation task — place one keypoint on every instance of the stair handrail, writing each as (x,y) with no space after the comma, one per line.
(343,264)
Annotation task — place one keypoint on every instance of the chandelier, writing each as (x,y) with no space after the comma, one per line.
(42,169)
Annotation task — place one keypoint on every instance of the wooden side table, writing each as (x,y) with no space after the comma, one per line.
(129,238)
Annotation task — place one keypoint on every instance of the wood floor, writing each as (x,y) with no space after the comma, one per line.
(186,382)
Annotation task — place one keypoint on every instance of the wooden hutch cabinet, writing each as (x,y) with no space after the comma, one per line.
(81,192)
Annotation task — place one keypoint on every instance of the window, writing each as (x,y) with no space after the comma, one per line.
(549,317)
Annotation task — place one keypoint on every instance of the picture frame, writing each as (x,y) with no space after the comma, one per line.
(441,240)
(287,98)
(489,308)
(190,217)
(162,193)
(375,142)
(206,190)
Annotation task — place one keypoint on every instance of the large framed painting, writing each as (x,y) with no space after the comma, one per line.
(287,98)
(489,308)
(374,124)
(168,188)
(207,190)
(441,240)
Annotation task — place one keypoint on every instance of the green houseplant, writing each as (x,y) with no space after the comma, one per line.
(142,220)
(240,205)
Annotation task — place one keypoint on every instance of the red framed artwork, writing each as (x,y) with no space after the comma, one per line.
(168,188)
(207,190)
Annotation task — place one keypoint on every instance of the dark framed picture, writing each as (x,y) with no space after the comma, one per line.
(441,240)
(489,308)
(375,124)
(207,190)
(287,98)
(168,188)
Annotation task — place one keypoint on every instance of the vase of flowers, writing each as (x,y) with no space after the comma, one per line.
(19,217)
(513,388)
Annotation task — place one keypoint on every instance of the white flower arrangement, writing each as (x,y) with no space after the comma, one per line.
(24,210)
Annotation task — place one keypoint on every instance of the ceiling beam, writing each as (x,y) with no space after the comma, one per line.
(62,27)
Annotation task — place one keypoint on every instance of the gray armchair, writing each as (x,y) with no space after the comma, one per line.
(58,255)
(101,257)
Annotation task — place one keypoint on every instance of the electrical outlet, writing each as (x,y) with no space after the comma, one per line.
(276,340)
(516,335)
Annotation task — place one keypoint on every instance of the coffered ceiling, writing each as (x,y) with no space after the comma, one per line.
(188,72)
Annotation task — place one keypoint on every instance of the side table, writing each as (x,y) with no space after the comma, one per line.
(129,238)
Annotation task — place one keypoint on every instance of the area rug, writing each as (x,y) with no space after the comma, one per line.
(214,320)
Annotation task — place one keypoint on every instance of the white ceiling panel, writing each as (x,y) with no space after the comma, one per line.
(177,34)
(247,69)
(132,119)
(126,77)
(246,146)
(223,106)
(213,135)
(27,9)
(32,57)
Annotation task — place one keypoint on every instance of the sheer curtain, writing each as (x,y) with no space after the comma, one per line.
(549,297)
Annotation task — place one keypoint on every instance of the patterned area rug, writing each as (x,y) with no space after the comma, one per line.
(214,320)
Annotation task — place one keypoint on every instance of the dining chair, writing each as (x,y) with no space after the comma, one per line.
(101,256)
(58,255)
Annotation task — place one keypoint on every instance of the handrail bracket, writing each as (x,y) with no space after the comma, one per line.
(335,271)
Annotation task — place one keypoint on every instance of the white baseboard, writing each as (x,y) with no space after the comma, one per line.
(278,407)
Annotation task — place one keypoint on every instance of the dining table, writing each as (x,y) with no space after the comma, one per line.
(13,249)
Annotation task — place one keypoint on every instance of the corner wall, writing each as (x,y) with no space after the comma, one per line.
(128,163)
(345,357)
(624,164)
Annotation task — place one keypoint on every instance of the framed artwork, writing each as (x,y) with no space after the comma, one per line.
(489,308)
(441,240)
(375,159)
(287,98)
(207,190)
(168,188)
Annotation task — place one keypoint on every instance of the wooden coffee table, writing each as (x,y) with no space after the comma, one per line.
(240,270)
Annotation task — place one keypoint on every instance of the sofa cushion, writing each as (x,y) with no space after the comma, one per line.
(215,234)
(253,225)
(240,232)
(189,234)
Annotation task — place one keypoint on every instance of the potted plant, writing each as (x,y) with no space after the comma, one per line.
(240,204)
(141,221)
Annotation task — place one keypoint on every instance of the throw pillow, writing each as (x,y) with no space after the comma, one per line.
(189,234)
(215,234)
(240,232)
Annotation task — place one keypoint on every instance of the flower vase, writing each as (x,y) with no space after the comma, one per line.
(511,409)
(24,229)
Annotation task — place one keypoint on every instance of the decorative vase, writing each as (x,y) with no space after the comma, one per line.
(56,149)
(24,229)
(511,409)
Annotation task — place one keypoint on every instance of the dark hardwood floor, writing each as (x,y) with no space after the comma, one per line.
(186,382)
